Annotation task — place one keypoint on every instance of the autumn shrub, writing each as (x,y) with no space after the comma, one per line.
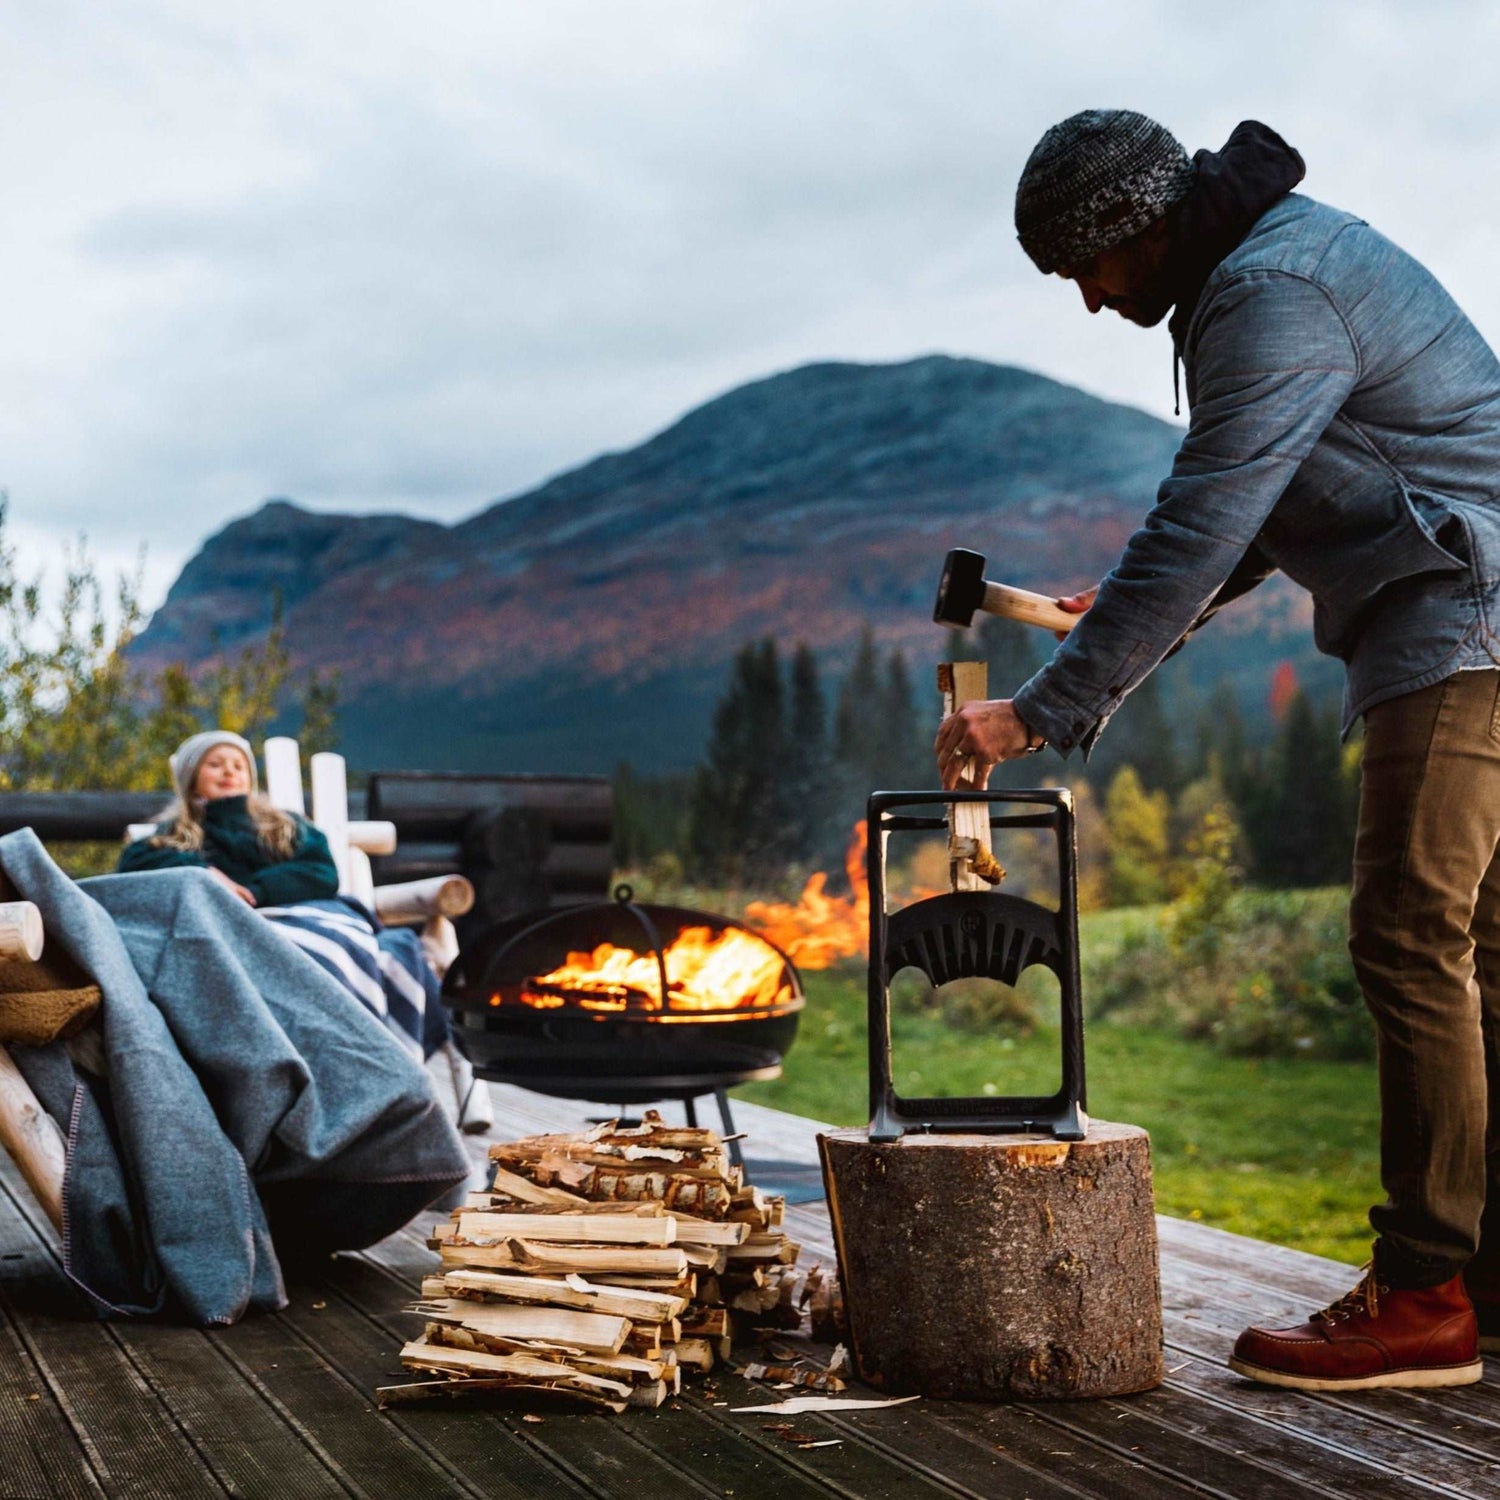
(1268,975)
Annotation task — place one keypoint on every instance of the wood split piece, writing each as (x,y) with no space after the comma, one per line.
(972,865)
(616,1255)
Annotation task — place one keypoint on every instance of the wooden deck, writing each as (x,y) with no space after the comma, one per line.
(282,1406)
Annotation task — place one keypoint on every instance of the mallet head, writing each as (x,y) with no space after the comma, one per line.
(961,590)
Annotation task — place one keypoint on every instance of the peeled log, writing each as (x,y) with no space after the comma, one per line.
(419,900)
(990,1267)
(31,1137)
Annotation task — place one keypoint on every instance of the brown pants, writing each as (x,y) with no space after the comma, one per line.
(1424,931)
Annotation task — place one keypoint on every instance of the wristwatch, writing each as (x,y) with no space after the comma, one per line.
(1033,742)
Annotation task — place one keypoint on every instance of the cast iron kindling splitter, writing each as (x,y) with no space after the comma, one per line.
(975,934)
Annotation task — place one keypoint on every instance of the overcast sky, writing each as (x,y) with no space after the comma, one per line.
(388,256)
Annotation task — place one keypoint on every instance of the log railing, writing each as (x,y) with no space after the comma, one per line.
(27,1132)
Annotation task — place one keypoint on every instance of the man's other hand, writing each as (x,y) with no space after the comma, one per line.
(1076,604)
(985,732)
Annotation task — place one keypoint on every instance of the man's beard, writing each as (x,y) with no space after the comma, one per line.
(1153,291)
(1151,301)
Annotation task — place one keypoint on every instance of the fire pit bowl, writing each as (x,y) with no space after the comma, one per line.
(623,1003)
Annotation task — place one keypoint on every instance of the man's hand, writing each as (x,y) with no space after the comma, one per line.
(1076,604)
(986,732)
(246,895)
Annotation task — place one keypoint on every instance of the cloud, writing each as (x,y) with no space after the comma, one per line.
(372,256)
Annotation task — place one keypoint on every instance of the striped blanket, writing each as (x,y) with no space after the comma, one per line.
(383,967)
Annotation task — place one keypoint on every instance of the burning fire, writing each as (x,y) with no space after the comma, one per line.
(728,970)
(821,929)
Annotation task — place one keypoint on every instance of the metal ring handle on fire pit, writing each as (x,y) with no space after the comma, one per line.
(624,895)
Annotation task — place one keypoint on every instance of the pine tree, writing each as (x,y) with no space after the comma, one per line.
(1141,735)
(962,645)
(650,816)
(1304,839)
(807,787)
(737,827)
(858,697)
(1220,746)
(1013,651)
(905,760)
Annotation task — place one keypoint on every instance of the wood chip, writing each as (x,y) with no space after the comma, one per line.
(799,1404)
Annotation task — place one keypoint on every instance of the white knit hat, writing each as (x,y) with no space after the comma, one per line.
(189,756)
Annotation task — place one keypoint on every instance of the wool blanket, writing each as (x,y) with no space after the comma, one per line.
(247,1104)
(384,968)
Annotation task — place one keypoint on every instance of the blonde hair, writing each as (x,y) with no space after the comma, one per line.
(277,831)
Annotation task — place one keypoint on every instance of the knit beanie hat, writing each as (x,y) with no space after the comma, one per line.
(1095,180)
(189,756)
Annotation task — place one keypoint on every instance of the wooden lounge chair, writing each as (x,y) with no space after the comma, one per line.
(38,1003)
(430,904)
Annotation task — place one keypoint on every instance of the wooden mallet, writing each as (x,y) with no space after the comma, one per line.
(964,588)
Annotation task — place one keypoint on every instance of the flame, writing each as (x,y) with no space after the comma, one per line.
(820,929)
(706,970)
(725,970)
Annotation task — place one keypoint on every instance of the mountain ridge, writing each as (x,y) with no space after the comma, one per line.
(592,618)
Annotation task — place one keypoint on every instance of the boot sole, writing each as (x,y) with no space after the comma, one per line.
(1423,1377)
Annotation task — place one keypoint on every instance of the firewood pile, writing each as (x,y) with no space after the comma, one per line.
(601,1266)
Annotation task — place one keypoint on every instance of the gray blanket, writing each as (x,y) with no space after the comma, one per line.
(248,1102)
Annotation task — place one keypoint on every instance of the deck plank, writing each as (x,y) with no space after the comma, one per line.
(1397,1438)
(686,1428)
(247,1442)
(40,1454)
(283,1405)
(131,1440)
(569,1454)
(984,1447)
(372,1457)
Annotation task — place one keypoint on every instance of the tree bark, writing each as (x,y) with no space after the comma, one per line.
(990,1267)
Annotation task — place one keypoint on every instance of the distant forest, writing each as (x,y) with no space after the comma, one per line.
(791,758)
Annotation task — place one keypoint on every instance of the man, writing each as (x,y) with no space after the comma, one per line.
(1344,428)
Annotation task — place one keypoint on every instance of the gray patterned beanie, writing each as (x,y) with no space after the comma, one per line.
(1095,180)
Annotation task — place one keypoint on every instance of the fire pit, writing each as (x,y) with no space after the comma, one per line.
(624,1003)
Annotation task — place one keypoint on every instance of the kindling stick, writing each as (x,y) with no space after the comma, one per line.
(972,865)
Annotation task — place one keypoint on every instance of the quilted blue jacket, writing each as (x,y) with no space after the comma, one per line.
(1345,428)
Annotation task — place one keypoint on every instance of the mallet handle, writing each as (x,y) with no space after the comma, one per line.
(1029,608)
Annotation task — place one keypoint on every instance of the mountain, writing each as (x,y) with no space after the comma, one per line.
(593,619)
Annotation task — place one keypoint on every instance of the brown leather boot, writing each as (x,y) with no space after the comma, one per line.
(1376,1335)
(1486,1300)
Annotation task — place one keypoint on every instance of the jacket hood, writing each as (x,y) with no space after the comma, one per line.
(1231,189)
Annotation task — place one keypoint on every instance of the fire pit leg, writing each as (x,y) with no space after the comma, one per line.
(730,1133)
(721,1096)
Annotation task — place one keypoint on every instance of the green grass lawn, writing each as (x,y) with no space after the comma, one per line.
(1280,1149)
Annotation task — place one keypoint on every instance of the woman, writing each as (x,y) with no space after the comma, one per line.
(280,863)
(220,821)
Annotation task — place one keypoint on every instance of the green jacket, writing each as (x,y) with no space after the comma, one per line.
(230,844)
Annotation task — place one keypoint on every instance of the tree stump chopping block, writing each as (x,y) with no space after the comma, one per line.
(989,1267)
